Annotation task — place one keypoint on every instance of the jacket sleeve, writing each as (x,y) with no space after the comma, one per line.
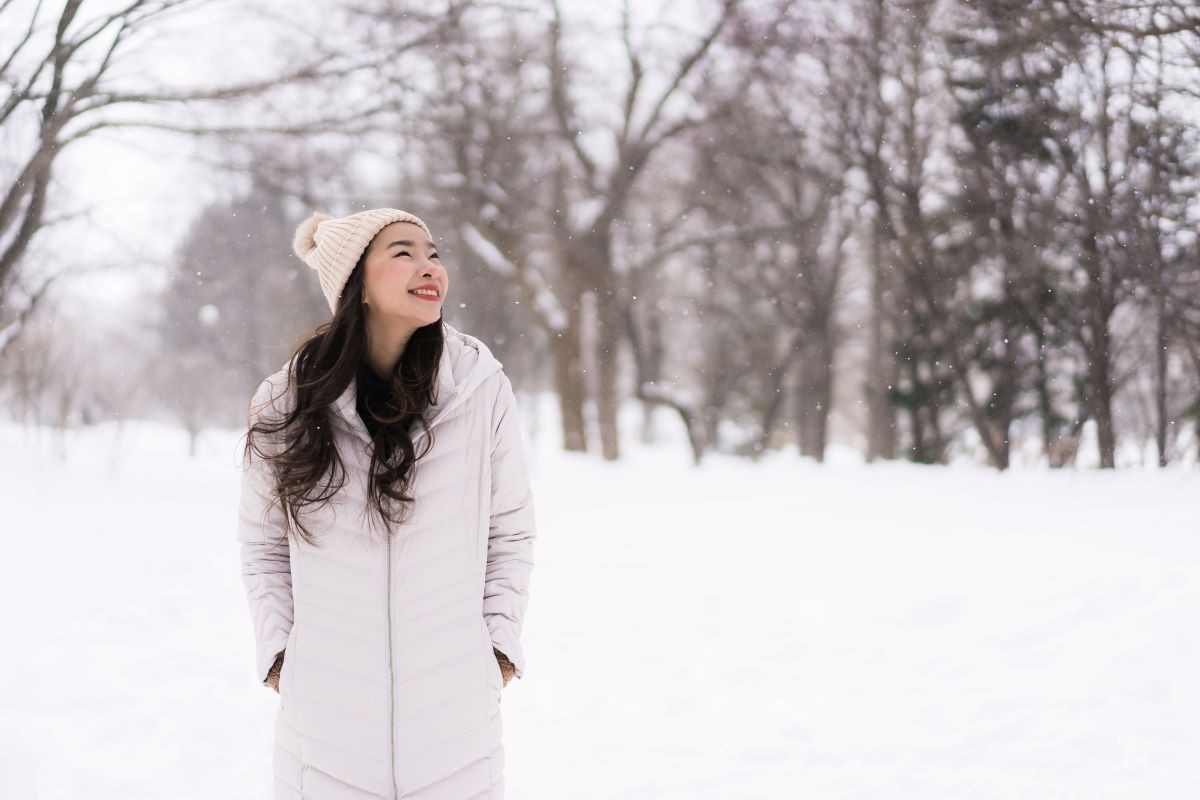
(265,555)
(511,533)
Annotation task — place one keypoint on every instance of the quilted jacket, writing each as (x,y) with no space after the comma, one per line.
(389,686)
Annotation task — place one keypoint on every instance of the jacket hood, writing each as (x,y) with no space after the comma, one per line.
(466,363)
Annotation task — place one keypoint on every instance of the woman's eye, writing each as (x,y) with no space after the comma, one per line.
(435,255)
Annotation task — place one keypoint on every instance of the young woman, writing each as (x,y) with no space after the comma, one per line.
(386,528)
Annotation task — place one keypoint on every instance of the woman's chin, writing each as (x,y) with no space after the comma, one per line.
(408,316)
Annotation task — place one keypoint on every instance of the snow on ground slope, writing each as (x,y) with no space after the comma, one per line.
(779,630)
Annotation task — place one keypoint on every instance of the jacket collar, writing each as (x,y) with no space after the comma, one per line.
(464,363)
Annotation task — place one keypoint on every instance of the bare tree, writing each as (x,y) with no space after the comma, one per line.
(863,53)
(57,82)
(776,166)
(488,131)
(592,203)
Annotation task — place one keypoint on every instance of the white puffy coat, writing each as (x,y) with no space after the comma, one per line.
(389,687)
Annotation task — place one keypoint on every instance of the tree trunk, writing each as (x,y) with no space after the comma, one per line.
(1051,425)
(1097,347)
(773,404)
(920,450)
(881,366)
(815,397)
(1162,341)
(646,348)
(773,393)
(1100,398)
(568,379)
(609,333)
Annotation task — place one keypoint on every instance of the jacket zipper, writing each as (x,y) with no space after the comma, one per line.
(388,531)
(391,673)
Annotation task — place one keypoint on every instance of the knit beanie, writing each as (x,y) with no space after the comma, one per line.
(333,245)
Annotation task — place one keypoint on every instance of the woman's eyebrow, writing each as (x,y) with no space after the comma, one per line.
(408,243)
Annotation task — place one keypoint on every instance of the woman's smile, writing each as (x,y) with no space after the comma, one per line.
(426,293)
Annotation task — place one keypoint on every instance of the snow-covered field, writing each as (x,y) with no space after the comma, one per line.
(780,630)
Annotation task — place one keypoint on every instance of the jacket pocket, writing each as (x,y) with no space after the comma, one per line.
(285,669)
(495,675)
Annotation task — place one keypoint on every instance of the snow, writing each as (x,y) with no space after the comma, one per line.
(773,630)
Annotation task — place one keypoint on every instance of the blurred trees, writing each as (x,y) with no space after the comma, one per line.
(233,304)
(62,80)
(921,228)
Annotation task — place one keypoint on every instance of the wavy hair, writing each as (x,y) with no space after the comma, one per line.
(299,445)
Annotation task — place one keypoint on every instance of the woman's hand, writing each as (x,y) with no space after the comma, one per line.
(506,667)
(273,673)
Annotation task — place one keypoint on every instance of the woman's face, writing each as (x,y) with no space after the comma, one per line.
(401,260)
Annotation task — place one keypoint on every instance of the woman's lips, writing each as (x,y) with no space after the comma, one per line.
(434,298)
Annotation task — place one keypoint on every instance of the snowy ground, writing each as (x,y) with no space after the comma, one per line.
(780,630)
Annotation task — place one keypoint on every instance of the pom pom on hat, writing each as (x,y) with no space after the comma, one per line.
(305,240)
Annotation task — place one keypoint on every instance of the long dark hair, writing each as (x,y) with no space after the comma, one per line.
(300,449)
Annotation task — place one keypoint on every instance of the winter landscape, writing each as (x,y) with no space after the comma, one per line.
(784,629)
(856,347)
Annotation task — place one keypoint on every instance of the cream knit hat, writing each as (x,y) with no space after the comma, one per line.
(333,245)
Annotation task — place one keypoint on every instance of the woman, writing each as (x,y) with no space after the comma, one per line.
(386,527)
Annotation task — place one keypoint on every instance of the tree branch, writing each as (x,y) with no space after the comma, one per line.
(561,103)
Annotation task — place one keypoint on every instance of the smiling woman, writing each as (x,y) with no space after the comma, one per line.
(389,652)
(404,286)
